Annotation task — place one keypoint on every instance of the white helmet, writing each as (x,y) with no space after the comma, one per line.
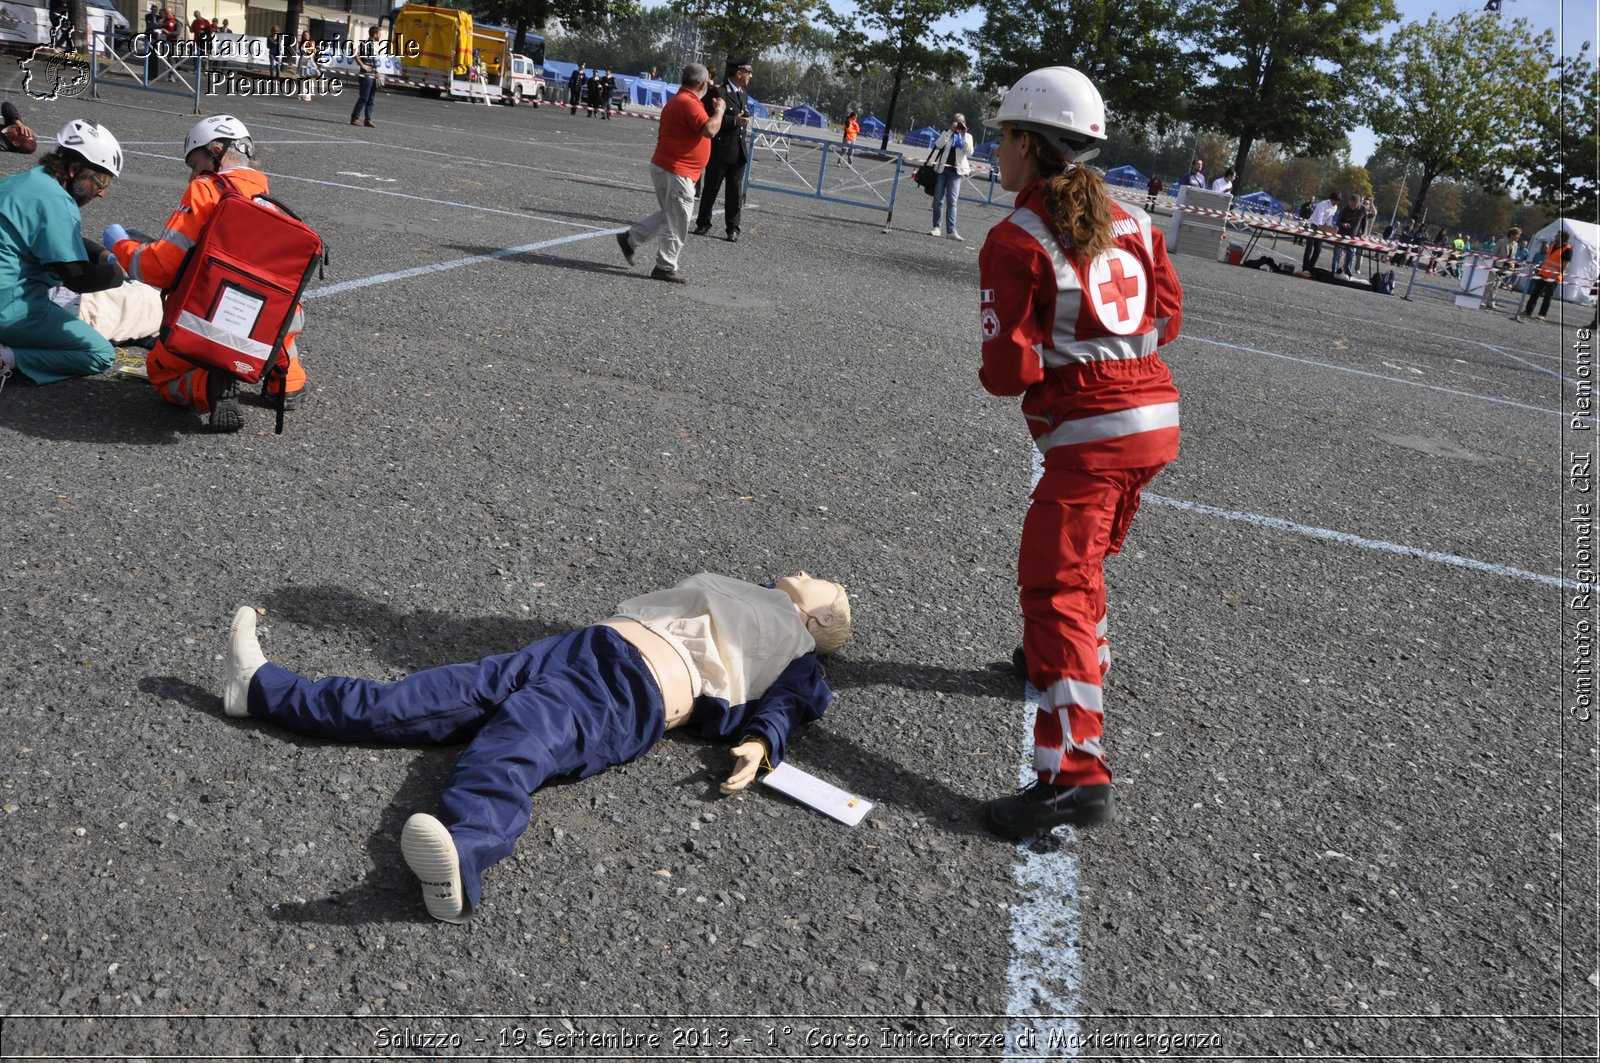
(218,127)
(1061,104)
(92,143)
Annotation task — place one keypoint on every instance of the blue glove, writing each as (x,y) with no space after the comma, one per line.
(113,234)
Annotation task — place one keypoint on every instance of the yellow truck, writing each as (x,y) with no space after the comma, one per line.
(442,53)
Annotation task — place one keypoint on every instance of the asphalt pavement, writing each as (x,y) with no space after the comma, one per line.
(1357,813)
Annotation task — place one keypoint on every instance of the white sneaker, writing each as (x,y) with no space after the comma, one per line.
(244,659)
(430,852)
(952,234)
(935,231)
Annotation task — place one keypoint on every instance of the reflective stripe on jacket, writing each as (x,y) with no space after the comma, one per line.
(1077,339)
(157,263)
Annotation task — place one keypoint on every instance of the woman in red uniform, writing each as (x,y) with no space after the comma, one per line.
(1078,293)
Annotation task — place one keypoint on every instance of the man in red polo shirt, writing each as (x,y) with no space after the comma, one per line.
(683,146)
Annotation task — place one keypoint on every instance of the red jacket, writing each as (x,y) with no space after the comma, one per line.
(157,263)
(1077,339)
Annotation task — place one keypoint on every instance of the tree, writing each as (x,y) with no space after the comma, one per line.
(1560,171)
(1353,180)
(537,14)
(1289,71)
(641,42)
(746,28)
(899,35)
(1455,96)
(1130,51)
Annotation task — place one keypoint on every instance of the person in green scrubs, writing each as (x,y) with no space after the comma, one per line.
(42,247)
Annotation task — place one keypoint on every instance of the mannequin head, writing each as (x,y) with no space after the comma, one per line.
(825,607)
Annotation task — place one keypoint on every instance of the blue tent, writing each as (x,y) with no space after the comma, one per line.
(922,138)
(758,109)
(807,115)
(985,151)
(1260,202)
(555,71)
(872,127)
(650,93)
(1127,177)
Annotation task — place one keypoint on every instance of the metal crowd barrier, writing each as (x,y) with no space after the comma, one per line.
(149,66)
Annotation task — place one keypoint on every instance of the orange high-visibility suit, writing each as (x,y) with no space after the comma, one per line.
(157,263)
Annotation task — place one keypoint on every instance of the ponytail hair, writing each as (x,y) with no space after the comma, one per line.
(1074,198)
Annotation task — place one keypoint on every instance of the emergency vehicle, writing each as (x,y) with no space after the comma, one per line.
(27,24)
(442,53)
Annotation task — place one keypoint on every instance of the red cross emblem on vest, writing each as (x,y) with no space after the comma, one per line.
(1118,288)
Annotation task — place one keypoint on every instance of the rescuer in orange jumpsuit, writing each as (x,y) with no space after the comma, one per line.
(220,144)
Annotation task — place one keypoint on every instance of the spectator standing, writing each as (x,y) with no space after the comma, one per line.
(307,58)
(953,149)
(575,87)
(42,247)
(1547,278)
(852,129)
(1077,294)
(366,58)
(728,151)
(1154,188)
(1224,184)
(683,145)
(275,48)
(1347,225)
(200,32)
(1502,260)
(1322,219)
(1196,177)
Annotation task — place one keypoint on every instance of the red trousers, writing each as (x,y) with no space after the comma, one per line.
(1078,518)
(183,383)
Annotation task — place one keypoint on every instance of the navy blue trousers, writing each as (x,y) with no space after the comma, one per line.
(569,705)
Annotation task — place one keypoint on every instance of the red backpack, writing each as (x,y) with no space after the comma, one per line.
(237,292)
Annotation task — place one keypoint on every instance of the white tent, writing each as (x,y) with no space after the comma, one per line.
(1578,284)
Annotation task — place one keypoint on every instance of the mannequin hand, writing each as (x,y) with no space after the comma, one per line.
(747,758)
(113,235)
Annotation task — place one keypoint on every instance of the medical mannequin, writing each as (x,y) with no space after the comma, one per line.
(717,656)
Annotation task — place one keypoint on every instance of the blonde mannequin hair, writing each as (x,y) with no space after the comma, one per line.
(831,637)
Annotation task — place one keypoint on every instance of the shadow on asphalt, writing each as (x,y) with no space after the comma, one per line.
(410,640)
(96,410)
(605,269)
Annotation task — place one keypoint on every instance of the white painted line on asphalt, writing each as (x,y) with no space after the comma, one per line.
(402,195)
(1329,535)
(1324,312)
(1374,376)
(455,263)
(1044,971)
(1524,361)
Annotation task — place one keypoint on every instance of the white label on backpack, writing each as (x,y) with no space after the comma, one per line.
(237,311)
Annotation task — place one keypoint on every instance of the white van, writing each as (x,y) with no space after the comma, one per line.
(525,82)
(26,24)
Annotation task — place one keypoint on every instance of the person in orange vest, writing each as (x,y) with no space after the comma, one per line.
(852,129)
(218,145)
(1546,278)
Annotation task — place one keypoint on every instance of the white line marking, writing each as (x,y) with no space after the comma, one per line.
(1329,535)
(1375,376)
(400,195)
(455,263)
(1044,920)
(1541,368)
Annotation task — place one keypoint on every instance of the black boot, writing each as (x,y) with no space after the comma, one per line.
(1042,807)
